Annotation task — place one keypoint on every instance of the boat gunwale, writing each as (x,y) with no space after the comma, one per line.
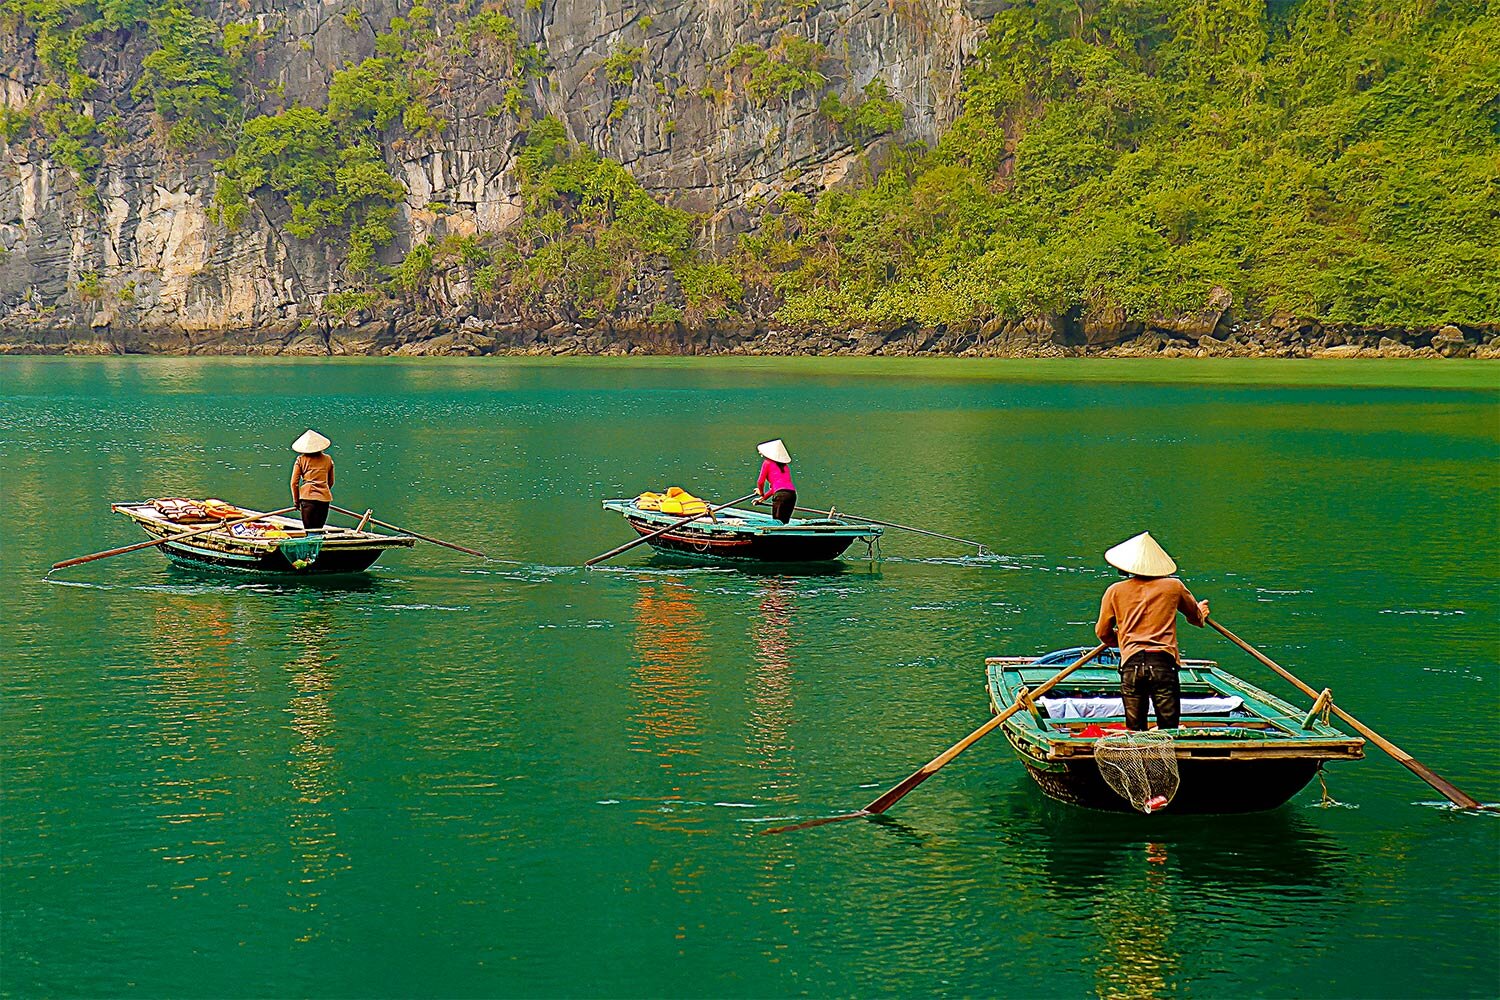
(812,528)
(338,538)
(1319,742)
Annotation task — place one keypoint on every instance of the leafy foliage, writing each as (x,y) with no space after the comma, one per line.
(327,181)
(1336,161)
(876,115)
(188,76)
(778,73)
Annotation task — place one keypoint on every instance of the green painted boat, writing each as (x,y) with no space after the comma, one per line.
(1238,748)
(735,533)
(333,550)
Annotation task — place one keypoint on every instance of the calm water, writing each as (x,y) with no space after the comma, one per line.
(459,778)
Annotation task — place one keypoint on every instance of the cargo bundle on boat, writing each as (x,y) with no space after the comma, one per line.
(1237,749)
(737,533)
(252,541)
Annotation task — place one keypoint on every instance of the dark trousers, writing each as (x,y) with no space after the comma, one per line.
(314,513)
(1151,675)
(783,502)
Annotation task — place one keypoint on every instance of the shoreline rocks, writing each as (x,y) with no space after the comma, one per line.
(424,335)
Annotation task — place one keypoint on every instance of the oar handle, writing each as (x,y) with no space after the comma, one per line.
(1454,794)
(937,763)
(220,526)
(709,512)
(406,531)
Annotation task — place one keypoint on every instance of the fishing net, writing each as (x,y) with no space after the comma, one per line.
(302,552)
(1141,767)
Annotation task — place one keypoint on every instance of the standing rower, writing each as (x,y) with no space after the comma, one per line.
(312,479)
(775,475)
(1139,614)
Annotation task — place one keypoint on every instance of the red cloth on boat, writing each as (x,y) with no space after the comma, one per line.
(1094,729)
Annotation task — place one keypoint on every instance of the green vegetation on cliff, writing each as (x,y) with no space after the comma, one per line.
(1128,159)
(1339,159)
(1123,158)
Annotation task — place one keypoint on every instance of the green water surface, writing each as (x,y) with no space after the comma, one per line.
(453,777)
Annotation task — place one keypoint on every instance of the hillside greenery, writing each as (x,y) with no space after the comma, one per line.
(1338,159)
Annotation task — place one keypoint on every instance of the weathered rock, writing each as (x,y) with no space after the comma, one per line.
(1108,324)
(1212,347)
(1450,342)
(679,120)
(1337,351)
(1390,348)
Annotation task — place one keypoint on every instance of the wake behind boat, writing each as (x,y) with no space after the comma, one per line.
(737,533)
(264,543)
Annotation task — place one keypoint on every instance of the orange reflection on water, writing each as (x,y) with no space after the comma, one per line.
(669,684)
(671,663)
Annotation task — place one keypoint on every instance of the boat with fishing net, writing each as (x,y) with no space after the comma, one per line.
(1237,749)
(735,533)
(265,543)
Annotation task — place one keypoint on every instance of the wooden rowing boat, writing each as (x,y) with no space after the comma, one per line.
(738,534)
(273,545)
(1238,748)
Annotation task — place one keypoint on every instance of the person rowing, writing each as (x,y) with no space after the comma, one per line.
(775,482)
(1139,614)
(312,479)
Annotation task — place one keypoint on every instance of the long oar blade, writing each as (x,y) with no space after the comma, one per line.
(662,531)
(1450,791)
(897,792)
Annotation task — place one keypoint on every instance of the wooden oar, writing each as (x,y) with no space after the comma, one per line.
(892,524)
(219,526)
(662,531)
(406,531)
(1455,795)
(921,774)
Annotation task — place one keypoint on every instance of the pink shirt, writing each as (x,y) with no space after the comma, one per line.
(779,476)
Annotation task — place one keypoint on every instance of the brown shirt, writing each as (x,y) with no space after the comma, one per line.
(1140,614)
(315,474)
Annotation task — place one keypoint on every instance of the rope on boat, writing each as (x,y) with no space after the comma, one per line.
(1328,800)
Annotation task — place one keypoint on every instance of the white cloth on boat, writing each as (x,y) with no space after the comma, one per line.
(1104,708)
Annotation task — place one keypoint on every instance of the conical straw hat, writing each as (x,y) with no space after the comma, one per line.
(1141,556)
(310,443)
(775,451)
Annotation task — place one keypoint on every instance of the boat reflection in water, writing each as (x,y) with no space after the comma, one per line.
(311,820)
(669,686)
(771,695)
(1168,899)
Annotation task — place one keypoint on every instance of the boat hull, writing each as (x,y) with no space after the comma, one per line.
(755,548)
(733,534)
(329,561)
(1204,786)
(338,550)
(1239,749)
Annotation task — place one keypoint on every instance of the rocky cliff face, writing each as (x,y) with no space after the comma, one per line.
(642,83)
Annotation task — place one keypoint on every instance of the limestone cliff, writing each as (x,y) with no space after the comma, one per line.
(132,244)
